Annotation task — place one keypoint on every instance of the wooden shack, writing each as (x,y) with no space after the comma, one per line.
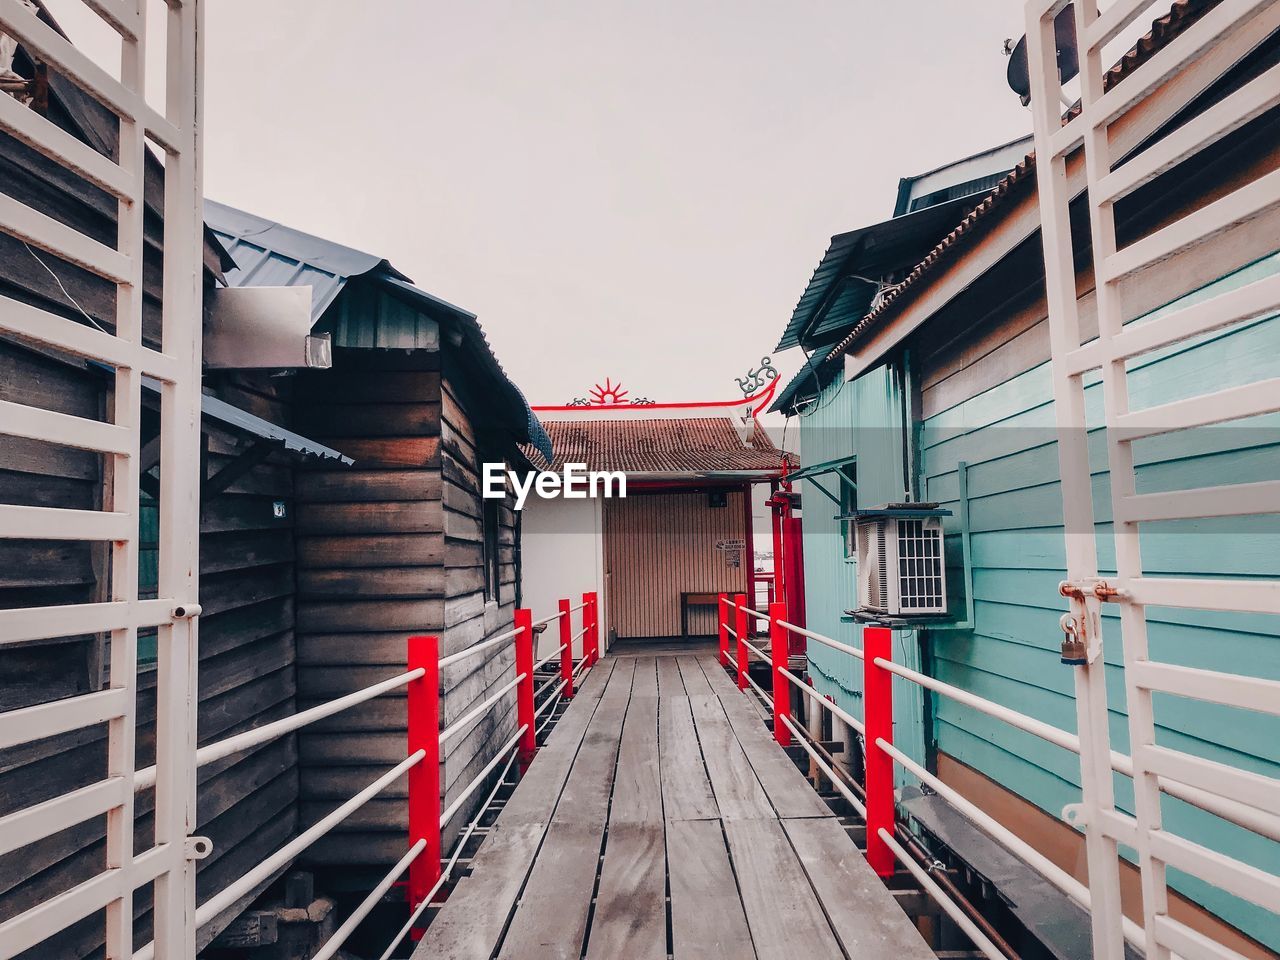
(401,543)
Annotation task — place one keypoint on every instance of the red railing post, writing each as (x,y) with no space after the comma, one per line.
(566,650)
(424,778)
(877,687)
(778,648)
(740,625)
(592,612)
(524,689)
(723,621)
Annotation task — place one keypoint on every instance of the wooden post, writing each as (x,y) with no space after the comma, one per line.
(424,778)
(740,625)
(566,649)
(524,689)
(877,686)
(781,686)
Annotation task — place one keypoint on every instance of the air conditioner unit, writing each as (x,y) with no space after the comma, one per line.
(902,569)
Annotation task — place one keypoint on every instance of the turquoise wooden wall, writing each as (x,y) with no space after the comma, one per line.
(1011,656)
(862,417)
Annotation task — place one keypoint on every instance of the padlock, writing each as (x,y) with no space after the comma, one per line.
(1074,651)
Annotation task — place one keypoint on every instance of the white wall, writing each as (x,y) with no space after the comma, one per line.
(561,553)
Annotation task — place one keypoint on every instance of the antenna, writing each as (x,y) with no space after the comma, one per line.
(1064,31)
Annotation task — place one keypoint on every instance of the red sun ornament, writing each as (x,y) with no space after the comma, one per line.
(610,392)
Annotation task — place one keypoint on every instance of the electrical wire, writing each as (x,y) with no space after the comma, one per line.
(75,303)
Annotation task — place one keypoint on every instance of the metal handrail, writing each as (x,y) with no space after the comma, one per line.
(230,894)
(549,657)
(451,731)
(223,748)
(146,777)
(473,650)
(447,873)
(1054,874)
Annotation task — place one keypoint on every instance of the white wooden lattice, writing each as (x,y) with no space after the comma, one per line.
(1095,150)
(176,366)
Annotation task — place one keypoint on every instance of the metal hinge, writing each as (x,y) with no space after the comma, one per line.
(197,848)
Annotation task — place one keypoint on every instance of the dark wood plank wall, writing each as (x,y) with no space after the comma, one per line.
(370,574)
(247,803)
(387,548)
(471,615)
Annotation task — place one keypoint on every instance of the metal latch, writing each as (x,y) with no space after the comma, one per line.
(1082,627)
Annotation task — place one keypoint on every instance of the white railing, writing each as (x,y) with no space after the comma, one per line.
(117,343)
(1100,154)
(875,730)
(427,737)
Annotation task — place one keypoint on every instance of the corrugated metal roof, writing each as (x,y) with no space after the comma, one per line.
(1181,15)
(692,445)
(246,422)
(809,381)
(232,416)
(834,298)
(271,254)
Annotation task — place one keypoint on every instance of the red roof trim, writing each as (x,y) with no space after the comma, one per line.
(758,400)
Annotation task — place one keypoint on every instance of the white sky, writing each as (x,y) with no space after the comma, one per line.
(636,190)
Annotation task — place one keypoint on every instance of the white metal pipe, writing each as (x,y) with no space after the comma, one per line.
(803,739)
(1244,815)
(451,731)
(479,778)
(1045,731)
(820,638)
(472,651)
(335,942)
(234,891)
(980,939)
(730,631)
(271,731)
(826,704)
(558,684)
(447,873)
(756,613)
(756,650)
(550,656)
(1068,884)
(543,725)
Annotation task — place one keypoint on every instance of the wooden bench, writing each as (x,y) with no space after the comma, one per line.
(694,598)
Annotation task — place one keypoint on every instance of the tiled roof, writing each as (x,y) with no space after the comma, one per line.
(691,445)
(1181,15)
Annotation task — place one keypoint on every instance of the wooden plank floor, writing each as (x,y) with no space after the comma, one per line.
(660,820)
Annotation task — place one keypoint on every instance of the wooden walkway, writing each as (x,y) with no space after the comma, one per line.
(661,820)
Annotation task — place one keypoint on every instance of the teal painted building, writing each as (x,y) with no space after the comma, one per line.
(939,390)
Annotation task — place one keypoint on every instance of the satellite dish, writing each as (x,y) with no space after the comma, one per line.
(1064,31)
